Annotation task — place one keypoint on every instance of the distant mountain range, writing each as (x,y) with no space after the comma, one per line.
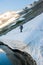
(8,18)
(12,19)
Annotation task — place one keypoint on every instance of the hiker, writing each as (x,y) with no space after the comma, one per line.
(21,28)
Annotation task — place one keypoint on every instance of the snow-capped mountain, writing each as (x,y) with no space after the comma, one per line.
(8,18)
(30,40)
(11,20)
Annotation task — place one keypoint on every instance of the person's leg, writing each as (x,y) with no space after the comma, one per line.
(20,30)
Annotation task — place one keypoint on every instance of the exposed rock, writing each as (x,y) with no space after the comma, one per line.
(24,58)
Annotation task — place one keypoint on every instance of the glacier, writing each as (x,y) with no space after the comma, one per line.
(30,40)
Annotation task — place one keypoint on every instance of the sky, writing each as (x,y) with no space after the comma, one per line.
(9,5)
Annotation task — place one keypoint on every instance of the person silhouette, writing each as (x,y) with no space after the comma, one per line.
(21,28)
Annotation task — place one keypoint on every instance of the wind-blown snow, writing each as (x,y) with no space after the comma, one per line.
(32,36)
